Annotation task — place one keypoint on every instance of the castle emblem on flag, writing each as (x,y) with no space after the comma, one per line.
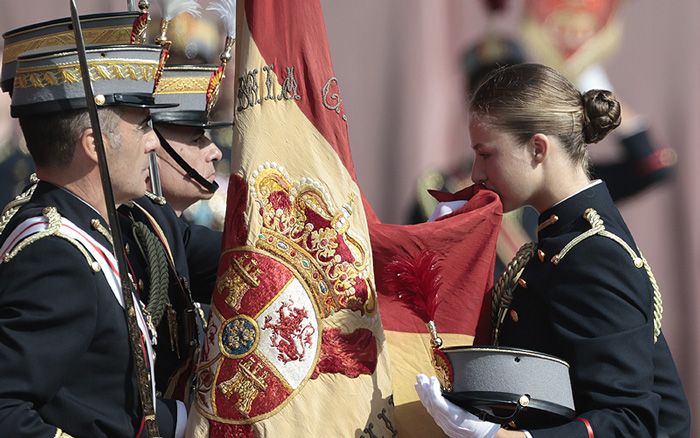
(263,341)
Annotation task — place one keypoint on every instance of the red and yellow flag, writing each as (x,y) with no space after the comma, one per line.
(294,344)
(463,246)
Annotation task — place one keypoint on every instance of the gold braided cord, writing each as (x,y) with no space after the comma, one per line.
(658,302)
(97,225)
(502,293)
(14,205)
(598,228)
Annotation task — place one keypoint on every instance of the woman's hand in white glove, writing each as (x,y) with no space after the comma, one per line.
(453,420)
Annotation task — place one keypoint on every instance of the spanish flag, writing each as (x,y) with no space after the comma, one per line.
(459,250)
(294,344)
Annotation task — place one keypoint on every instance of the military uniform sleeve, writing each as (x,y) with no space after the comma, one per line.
(203,247)
(600,308)
(47,318)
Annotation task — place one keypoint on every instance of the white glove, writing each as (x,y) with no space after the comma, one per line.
(593,78)
(453,420)
(445,208)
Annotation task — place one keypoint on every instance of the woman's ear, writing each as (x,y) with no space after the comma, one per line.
(539,147)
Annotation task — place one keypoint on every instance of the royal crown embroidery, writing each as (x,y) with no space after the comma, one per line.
(301,225)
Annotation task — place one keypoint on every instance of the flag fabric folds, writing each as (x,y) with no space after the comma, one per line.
(464,247)
(294,344)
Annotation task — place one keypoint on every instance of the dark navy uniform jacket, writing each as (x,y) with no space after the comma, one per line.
(195,250)
(65,360)
(594,309)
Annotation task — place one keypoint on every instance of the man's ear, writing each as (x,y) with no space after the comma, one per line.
(539,147)
(87,145)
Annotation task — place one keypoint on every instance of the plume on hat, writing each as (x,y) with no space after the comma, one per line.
(170,9)
(226,9)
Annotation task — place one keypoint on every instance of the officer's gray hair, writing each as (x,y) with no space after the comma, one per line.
(51,139)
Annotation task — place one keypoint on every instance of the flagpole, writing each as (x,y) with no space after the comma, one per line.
(153,170)
(142,372)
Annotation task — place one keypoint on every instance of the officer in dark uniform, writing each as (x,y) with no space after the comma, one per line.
(177,261)
(583,292)
(65,360)
(105,28)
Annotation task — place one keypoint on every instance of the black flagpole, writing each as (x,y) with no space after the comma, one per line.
(142,372)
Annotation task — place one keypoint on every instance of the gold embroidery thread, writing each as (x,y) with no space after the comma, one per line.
(108,35)
(41,77)
(178,85)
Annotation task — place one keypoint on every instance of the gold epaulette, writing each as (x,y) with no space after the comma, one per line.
(160,200)
(13,206)
(598,229)
(53,229)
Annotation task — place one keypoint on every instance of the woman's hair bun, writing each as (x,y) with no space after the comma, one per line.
(601,114)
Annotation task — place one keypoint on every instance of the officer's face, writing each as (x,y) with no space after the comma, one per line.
(197,149)
(127,153)
(502,165)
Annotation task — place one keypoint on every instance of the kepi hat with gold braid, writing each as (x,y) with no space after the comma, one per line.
(98,29)
(188,86)
(48,82)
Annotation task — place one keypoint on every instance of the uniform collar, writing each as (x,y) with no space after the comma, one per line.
(71,207)
(568,213)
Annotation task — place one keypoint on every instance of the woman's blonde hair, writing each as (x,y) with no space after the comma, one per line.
(527,99)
